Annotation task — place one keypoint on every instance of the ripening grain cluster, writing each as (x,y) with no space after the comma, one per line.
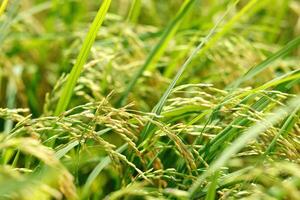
(149,99)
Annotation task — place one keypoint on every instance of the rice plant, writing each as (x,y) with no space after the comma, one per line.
(181,99)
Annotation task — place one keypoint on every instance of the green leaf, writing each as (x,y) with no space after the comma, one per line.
(266,63)
(96,171)
(159,49)
(3,6)
(284,130)
(211,193)
(68,88)
(134,11)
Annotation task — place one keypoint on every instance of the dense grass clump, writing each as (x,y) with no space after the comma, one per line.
(137,99)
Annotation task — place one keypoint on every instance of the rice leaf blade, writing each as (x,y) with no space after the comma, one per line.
(68,88)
